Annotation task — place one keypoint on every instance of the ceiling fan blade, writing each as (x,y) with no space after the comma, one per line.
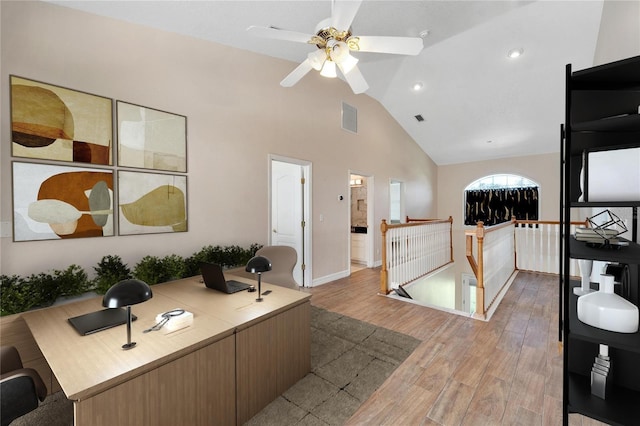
(396,45)
(295,75)
(343,12)
(355,79)
(277,34)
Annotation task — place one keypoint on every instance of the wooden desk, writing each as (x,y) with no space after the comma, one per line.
(273,340)
(237,357)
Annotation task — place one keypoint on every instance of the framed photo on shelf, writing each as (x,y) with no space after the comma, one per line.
(151,203)
(151,139)
(54,123)
(59,202)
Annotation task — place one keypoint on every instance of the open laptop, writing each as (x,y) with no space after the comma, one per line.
(214,278)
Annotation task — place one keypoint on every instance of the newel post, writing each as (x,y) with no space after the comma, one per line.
(383,272)
(480,308)
(451,238)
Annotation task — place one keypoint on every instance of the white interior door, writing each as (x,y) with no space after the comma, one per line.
(288,213)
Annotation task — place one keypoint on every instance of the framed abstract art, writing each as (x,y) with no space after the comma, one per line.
(151,139)
(54,123)
(58,202)
(151,203)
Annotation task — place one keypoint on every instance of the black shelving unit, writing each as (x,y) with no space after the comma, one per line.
(602,114)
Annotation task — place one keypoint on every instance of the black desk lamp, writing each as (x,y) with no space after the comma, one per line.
(127,293)
(258,265)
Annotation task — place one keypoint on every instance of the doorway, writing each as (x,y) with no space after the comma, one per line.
(396,201)
(290,198)
(469,286)
(361,214)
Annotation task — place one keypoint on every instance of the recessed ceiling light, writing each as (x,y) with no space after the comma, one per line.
(515,53)
(417,86)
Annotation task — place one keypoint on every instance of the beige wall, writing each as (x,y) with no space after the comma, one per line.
(237,116)
(543,169)
(619,35)
(453,179)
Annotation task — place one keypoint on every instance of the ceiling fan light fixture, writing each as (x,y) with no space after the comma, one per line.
(338,50)
(317,59)
(329,69)
(348,63)
(335,42)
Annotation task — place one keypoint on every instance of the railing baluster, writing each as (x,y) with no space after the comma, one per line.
(413,250)
(537,246)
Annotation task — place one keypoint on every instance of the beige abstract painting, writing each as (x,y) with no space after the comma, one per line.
(59,202)
(151,139)
(54,123)
(151,203)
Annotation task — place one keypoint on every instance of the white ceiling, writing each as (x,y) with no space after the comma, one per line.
(473,93)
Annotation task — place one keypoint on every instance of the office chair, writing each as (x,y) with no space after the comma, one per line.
(283,260)
(20,388)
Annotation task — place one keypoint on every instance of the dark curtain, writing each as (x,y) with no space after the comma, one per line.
(493,206)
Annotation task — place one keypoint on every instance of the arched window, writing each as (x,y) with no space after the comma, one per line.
(499,198)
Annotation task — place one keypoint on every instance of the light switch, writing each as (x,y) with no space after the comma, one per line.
(5,229)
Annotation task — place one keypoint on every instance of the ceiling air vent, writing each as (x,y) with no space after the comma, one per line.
(419,117)
(349,118)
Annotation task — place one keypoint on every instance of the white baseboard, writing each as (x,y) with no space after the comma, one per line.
(329,278)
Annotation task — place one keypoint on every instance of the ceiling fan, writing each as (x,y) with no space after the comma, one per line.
(335,42)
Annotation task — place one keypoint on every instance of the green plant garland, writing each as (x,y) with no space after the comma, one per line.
(19,294)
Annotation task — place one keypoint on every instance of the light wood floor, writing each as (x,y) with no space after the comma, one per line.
(507,371)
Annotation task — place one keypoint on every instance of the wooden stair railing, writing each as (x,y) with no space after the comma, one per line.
(386,227)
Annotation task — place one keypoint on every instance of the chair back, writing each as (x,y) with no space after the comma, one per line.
(283,260)
(20,388)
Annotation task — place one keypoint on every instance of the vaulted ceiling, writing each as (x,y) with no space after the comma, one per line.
(477,103)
